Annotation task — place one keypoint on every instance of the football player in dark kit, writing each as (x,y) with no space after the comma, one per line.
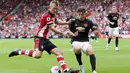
(80,42)
(112,18)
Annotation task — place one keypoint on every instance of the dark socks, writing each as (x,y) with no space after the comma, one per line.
(95,38)
(109,40)
(93,61)
(78,57)
(116,41)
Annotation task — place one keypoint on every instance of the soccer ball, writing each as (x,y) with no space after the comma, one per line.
(55,69)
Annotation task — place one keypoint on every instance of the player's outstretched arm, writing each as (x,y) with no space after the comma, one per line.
(56,31)
(62,22)
(69,33)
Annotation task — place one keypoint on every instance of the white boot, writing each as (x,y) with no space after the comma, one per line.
(97,41)
(117,49)
(94,71)
(81,69)
(107,47)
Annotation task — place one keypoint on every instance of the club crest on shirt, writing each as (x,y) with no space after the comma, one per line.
(85,25)
(48,18)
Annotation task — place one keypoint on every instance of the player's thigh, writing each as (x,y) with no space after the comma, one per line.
(116,32)
(111,30)
(56,51)
(49,47)
(42,44)
(77,46)
(87,48)
(37,47)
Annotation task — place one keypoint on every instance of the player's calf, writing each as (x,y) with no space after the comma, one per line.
(61,61)
(32,53)
(92,58)
(35,54)
(60,58)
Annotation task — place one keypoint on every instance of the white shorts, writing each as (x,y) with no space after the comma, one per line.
(113,31)
(82,45)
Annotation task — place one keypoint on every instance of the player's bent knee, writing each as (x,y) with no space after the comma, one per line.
(38,54)
(90,50)
(60,52)
(77,50)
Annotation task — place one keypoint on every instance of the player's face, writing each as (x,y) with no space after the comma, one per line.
(114,10)
(81,15)
(53,8)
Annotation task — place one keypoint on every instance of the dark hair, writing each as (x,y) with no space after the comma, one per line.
(81,10)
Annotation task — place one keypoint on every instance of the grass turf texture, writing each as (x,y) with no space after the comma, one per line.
(108,61)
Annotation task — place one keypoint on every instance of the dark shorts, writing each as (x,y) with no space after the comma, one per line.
(44,44)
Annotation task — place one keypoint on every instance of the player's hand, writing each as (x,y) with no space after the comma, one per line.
(76,33)
(69,33)
(96,33)
(69,22)
(65,34)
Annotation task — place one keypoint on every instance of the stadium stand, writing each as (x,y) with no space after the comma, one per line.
(24,22)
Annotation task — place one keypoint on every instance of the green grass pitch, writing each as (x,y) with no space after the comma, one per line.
(108,61)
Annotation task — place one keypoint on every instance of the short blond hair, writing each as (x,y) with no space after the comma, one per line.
(56,2)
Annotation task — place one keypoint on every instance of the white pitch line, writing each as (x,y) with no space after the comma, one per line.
(70,50)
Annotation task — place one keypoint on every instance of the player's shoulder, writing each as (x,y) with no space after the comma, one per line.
(46,15)
(74,20)
(88,20)
(117,14)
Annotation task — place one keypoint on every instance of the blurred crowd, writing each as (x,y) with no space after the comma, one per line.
(23,21)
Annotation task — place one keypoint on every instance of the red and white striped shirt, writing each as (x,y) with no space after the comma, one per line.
(46,20)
